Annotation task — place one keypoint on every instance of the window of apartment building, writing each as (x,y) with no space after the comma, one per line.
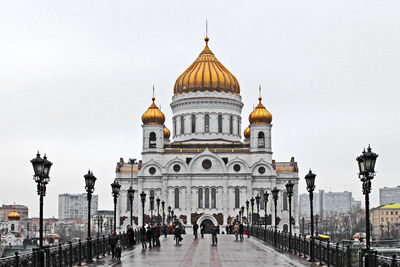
(213,198)
(397,213)
(200,198)
(207,198)
(383,220)
(387,212)
(391,212)
(391,219)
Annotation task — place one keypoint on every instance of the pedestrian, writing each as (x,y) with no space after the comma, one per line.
(131,236)
(241,230)
(195,228)
(113,242)
(143,237)
(202,230)
(227,229)
(118,250)
(170,228)
(177,233)
(149,235)
(214,233)
(218,228)
(165,230)
(236,230)
(157,234)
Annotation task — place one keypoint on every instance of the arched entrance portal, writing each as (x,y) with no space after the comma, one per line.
(207,221)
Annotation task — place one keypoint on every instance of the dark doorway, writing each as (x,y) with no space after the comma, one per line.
(207,223)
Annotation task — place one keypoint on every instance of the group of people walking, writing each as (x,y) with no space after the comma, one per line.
(150,235)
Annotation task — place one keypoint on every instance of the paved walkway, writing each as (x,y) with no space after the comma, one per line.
(190,252)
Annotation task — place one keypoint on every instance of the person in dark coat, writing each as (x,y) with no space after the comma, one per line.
(214,233)
(157,234)
(177,233)
(131,236)
(202,230)
(113,242)
(241,230)
(143,237)
(195,228)
(149,235)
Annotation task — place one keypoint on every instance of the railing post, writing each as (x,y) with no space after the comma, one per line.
(328,253)
(79,253)
(393,261)
(59,255)
(71,251)
(348,256)
(16,259)
(304,247)
(104,246)
(98,247)
(320,252)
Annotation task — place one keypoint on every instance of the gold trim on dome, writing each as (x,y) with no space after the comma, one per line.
(206,74)
(153,115)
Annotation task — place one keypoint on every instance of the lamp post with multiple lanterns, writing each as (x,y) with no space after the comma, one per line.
(41,168)
(158,200)
(163,211)
(115,187)
(366,164)
(310,181)
(266,195)
(151,208)
(90,181)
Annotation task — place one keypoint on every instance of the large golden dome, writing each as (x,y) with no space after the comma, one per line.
(260,115)
(14,216)
(167,133)
(206,74)
(153,115)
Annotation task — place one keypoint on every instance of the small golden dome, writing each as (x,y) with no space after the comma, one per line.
(14,216)
(260,115)
(167,133)
(246,132)
(153,115)
(206,74)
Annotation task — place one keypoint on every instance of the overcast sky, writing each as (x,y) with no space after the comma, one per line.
(76,76)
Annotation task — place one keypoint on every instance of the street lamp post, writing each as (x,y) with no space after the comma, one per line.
(90,181)
(240,215)
(169,213)
(143,199)
(41,168)
(151,208)
(242,209)
(275,196)
(252,209)
(289,189)
(115,186)
(266,195)
(131,196)
(247,207)
(310,180)
(366,164)
(163,211)
(258,204)
(158,200)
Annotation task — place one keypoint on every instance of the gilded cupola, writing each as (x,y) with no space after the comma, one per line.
(153,115)
(167,133)
(14,216)
(206,74)
(260,115)
(246,133)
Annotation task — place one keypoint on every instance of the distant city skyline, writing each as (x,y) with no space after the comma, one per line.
(77,76)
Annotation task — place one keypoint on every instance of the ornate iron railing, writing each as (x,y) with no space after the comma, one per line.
(70,254)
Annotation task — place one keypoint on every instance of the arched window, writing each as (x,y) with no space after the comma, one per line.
(12,227)
(182,125)
(231,124)
(285,201)
(237,198)
(213,198)
(261,140)
(174,122)
(207,198)
(193,123)
(200,198)
(176,198)
(220,123)
(128,203)
(152,140)
(206,123)
(285,228)
(262,200)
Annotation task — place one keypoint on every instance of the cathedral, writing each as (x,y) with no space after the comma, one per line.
(205,171)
